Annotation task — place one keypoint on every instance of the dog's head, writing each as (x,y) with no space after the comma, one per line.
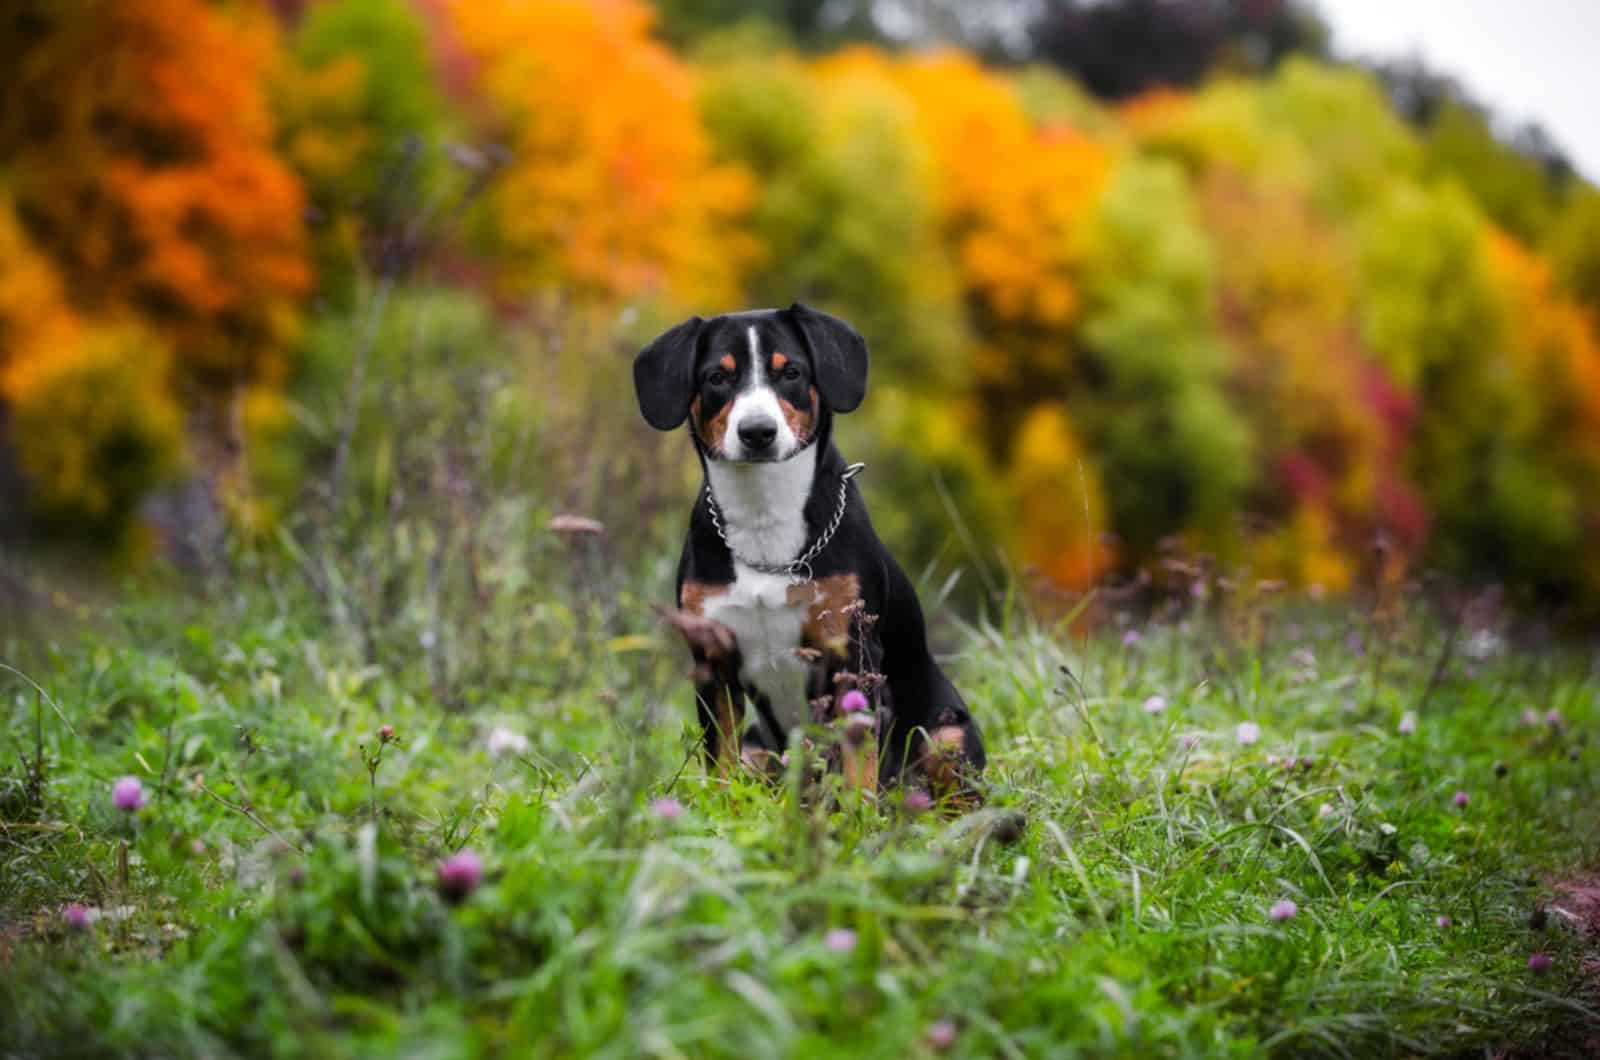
(756,387)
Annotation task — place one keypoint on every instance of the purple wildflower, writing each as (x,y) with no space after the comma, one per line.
(941,1035)
(840,940)
(917,802)
(1130,639)
(459,875)
(78,917)
(1461,799)
(1247,733)
(1408,724)
(1284,909)
(1539,963)
(1443,921)
(667,808)
(852,702)
(127,794)
(1155,705)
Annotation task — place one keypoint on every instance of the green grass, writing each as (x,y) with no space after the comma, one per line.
(1127,915)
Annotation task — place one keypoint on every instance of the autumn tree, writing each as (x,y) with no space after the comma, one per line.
(612,191)
(364,123)
(139,149)
(140,172)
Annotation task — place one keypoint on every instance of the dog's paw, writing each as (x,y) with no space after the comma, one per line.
(761,763)
(949,769)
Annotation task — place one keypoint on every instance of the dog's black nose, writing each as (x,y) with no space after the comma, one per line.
(757,433)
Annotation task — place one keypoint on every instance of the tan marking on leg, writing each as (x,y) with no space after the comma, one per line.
(858,752)
(729,725)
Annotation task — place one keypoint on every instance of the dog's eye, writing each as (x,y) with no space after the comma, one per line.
(717,378)
(790,373)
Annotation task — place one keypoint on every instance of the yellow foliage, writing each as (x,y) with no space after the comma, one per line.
(95,426)
(1305,551)
(1057,503)
(612,190)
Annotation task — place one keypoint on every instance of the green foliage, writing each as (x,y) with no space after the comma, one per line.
(1052,98)
(1574,243)
(1509,186)
(397,97)
(364,121)
(1427,303)
(1340,119)
(1171,452)
(687,22)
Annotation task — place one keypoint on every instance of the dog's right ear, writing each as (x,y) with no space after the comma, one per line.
(663,373)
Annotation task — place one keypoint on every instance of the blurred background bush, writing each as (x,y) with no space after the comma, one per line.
(1140,278)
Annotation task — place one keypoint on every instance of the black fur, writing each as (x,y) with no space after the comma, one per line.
(661,375)
(833,356)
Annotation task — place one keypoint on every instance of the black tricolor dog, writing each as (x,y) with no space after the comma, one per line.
(780,549)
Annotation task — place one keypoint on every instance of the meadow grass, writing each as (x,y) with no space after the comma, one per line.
(276,896)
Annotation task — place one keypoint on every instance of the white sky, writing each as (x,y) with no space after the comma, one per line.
(1527,59)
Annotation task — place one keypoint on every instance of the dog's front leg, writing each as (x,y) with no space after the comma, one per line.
(719,698)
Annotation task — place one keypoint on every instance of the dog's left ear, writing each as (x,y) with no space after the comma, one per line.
(663,374)
(838,356)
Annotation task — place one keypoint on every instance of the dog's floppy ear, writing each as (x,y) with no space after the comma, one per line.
(838,356)
(663,373)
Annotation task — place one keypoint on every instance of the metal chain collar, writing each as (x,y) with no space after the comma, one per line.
(801,562)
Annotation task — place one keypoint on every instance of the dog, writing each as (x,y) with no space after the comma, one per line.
(781,560)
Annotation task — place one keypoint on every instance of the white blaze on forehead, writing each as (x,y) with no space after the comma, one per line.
(758,401)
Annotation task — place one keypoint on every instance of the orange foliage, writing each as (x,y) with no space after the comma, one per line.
(1010,195)
(1554,344)
(142,165)
(1154,110)
(35,319)
(611,190)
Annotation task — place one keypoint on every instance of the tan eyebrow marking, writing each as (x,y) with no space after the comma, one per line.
(778,361)
(728,363)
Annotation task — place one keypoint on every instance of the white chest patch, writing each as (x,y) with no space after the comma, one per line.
(758,610)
